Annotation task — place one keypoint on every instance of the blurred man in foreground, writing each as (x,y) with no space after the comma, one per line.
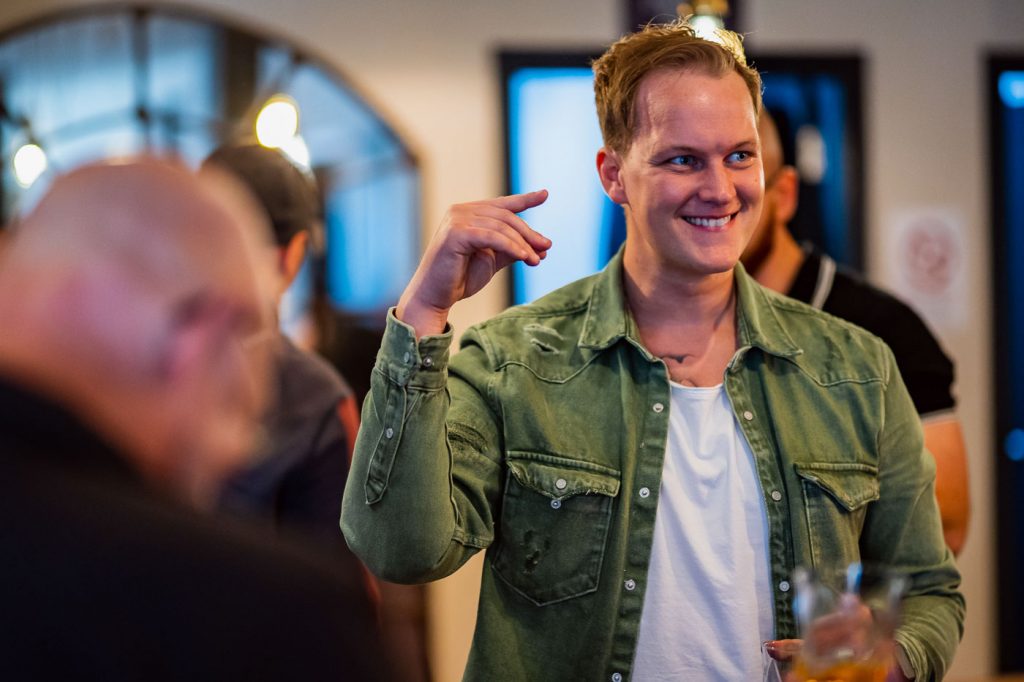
(776,261)
(131,378)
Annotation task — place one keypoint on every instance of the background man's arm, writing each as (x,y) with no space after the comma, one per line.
(944,439)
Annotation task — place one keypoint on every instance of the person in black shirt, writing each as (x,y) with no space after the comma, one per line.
(778,262)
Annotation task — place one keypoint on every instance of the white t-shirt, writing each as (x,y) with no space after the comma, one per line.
(708,604)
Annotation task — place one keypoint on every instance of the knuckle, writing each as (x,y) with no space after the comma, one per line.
(458,217)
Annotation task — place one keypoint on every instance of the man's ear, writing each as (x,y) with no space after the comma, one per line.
(609,169)
(292,255)
(787,194)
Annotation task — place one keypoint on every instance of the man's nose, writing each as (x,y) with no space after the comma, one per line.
(717,185)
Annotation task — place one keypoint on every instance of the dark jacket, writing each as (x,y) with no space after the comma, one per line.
(102,578)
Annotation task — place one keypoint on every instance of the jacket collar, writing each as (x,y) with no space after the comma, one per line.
(759,324)
(608,318)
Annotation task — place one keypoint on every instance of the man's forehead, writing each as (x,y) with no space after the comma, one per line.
(677,89)
(695,102)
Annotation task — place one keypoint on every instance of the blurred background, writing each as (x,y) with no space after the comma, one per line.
(906,120)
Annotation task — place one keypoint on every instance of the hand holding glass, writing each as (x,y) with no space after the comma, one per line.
(848,634)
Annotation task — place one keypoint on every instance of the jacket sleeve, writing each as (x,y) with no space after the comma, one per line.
(426,474)
(903,531)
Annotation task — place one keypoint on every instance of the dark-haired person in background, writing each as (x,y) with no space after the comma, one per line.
(776,261)
(298,477)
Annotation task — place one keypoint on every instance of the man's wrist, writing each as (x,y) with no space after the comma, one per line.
(426,320)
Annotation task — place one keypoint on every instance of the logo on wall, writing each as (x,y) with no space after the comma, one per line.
(930,255)
(925,263)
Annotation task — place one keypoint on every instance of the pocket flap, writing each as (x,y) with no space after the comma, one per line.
(561,477)
(850,484)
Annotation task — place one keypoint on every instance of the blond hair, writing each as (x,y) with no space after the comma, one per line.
(620,70)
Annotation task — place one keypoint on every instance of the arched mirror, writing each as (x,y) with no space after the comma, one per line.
(87,84)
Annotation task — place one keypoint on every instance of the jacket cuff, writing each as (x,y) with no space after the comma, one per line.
(408,362)
(909,657)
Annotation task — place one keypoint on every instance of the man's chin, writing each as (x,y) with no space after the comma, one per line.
(716,267)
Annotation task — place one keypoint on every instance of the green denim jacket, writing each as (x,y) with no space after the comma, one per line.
(542,443)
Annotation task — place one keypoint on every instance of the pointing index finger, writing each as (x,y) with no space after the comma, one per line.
(520,202)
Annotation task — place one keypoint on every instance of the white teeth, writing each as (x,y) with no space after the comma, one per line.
(708,222)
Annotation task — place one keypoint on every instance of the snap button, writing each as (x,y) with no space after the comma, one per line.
(427,362)
(784,586)
(658,407)
(556,504)
(616,677)
(645,492)
(748,415)
(776,495)
(561,483)
(389,432)
(630,585)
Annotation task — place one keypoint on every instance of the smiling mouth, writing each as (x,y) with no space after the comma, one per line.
(709,223)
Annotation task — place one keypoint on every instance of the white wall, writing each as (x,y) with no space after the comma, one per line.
(430,66)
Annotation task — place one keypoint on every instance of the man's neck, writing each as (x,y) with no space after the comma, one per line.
(690,326)
(778,270)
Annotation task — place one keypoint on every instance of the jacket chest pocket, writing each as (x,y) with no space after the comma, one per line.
(836,497)
(554,525)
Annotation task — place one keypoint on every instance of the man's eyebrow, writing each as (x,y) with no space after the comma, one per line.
(687,149)
(682,148)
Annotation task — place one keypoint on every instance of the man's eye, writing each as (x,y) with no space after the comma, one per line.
(683,160)
(739,157)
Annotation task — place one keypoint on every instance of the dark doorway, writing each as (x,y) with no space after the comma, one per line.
(1005,84)
(816,102)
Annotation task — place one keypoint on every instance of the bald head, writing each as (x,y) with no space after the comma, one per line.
(772,256)
(130,292)
(771,145)
(158,225)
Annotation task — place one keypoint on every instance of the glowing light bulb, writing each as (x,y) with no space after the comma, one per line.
(29,164)
(296,150)
(811,154)
(1015,445)
(706,26)
(1011,89)
(277,122)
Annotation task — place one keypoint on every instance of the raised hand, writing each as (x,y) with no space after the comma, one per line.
(474,241)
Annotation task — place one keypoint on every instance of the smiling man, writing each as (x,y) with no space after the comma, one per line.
(648,453)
